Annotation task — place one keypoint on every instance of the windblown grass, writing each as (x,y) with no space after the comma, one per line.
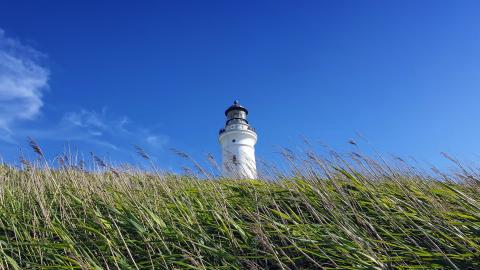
(324,215)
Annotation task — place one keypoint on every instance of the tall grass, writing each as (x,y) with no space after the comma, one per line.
(324,214)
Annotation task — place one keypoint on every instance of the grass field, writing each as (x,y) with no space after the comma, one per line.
(324,214)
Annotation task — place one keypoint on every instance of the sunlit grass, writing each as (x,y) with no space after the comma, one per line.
(323,215)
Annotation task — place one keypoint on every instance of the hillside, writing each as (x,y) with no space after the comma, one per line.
(321,216)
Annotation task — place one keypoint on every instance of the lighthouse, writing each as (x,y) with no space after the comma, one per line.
(237,140)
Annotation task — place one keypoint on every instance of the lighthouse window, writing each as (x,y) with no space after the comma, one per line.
(234,140)
(234,159)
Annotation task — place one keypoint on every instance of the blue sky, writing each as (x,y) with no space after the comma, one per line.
(102,76)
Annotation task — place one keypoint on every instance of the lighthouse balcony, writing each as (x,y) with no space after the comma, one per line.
(236,127)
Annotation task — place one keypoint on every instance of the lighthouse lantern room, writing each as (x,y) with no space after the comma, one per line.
(237,140)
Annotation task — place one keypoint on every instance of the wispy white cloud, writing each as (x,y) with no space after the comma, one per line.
(98,129)
(157,141)
(22,82)
(86,119)
(101,128)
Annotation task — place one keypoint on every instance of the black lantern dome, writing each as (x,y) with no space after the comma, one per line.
(236,116)
(236,107)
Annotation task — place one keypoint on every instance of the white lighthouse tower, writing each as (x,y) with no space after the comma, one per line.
(237,140)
